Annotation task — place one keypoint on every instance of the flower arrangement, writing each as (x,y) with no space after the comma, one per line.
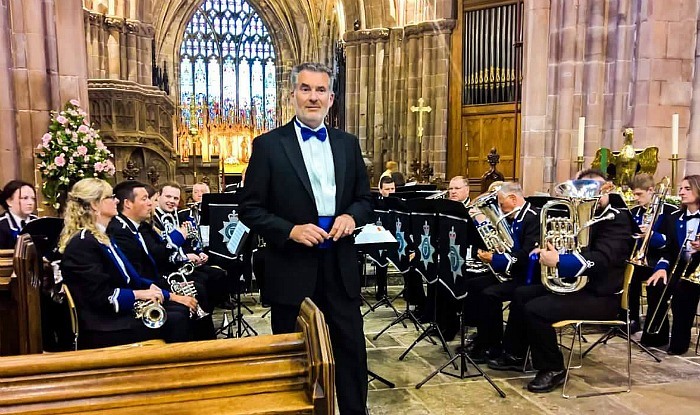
(71,150)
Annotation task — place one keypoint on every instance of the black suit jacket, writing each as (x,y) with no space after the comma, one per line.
(278,195)
(9,230)
(124,234)
(92,276)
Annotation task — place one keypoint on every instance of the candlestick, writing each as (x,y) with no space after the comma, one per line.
(674,134)
(579,163)
(581,132)
(674,172)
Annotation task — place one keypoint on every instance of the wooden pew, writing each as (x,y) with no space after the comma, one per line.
(20,303)
(276,374)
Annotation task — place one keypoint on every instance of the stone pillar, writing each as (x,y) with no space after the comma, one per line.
(114,30)
(133,28)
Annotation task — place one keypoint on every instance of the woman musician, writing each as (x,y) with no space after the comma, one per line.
(103,283)
(681,230)
(18,198)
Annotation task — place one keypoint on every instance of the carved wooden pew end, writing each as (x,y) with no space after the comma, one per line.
(277,374)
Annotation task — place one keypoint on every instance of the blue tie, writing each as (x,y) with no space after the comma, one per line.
(307,133)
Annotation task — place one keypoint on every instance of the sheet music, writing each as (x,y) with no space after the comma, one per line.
(238,236)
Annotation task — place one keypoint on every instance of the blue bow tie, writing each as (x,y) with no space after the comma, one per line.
(307,133)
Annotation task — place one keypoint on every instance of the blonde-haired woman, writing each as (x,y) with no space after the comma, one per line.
(103,283)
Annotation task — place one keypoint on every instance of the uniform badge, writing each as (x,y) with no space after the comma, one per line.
(426,249)
(400,239)
(229,226)
(456,260)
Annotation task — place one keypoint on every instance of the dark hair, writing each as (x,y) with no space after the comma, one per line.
(10,188)
(125,191)
(591,172)
(694,182)
(170,184)
(385,180)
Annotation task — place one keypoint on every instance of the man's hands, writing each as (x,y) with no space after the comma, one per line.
(198,259)
(485,256)
(311,235)
(153,293)
(548,257)
(658,275)
(189,302)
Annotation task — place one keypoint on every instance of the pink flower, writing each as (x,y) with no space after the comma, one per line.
(100,145)
(84,129)
(109,167)
(61,119)
(82,150)
(75,102)
(86,158)
(46,139)
(60,161)
(85,121)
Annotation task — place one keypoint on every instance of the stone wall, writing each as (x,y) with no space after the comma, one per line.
(620,64)
(43,65)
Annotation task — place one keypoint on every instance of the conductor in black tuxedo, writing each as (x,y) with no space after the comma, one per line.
(306,190)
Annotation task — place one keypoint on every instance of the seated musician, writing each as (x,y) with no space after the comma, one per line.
(386,188)
(525,230)
(534,308)
(103,282)
(192,214)
(153,256)
(643,190)
(683,243)
(18,198)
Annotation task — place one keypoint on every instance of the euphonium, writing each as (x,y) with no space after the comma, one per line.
(491,227)
(179,285)
(151,313)
(569,234)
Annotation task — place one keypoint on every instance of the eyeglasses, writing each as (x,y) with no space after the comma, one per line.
(112,197)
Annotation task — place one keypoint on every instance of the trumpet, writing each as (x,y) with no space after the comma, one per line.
(151,313)
(181,286)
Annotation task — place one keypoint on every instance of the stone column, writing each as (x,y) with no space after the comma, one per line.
(133,28)
(114,30)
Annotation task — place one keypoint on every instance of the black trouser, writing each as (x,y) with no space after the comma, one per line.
(414,294)
(684,306)
(490,324)
(344,320)
(534,309)
(654,294)
(472,302)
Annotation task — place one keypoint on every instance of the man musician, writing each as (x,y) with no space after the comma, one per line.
(534,308)
(643,188)
(387,186)
(524,223)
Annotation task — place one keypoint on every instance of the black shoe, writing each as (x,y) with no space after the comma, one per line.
(546,381)
(479,356)
(507,362)
(674,352)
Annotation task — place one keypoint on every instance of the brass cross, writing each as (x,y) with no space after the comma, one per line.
(420,109)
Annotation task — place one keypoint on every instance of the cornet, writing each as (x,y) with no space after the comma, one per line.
(181,286)
(151,313)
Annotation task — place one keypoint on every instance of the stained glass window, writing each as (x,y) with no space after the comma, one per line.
(227,75)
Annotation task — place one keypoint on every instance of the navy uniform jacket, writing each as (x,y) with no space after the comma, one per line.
(526,236)
(9,230)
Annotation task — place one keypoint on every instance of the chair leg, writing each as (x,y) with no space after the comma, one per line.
(577,332)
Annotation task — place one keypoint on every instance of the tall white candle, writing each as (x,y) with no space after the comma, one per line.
(581,132)
(674,134)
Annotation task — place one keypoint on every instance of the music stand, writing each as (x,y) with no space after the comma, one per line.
(396,220)
(45,233)
(227,243)
(423,233)
(454,226)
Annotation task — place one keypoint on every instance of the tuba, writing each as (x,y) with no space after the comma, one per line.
(492,229)
(179,285)
(578,199)
(151,313)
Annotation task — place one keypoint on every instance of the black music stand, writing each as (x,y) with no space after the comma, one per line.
(425,210)
(45,233)
(220,213)
(454,226)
